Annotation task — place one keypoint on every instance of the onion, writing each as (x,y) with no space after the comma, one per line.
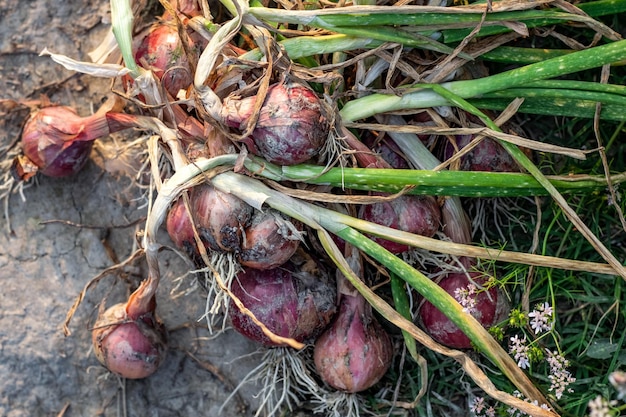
(269,241)
(161,51)
(56,141)
(355,352)
(487,306)
(415,214)
(295,305)
(180,229)
(487,155)
(129,340)
(291,127)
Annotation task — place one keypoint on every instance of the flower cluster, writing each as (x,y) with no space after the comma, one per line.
(466,297)
(600,407)
(515,412)
(481,409)
(541,318)
(519,350)
(559,376)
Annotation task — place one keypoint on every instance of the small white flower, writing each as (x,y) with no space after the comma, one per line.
(541,318)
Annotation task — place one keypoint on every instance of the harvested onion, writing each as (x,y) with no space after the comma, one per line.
(291,127)
(295,305)
(269,241)
(128,338)
(355,351)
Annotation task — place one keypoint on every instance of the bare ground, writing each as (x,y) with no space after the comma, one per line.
(66,231)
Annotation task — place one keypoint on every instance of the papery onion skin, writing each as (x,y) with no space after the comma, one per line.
(221,217)
(355,352)
(52,140)
(291,127)
(130,348)
(490,306)
(420,215)
(295,305)
(488,155)
(161,50)
(269,241)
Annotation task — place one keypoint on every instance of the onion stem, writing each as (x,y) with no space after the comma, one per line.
(416,98)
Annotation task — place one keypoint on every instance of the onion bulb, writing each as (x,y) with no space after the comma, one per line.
(294,305)
(56,141)
(414,214)
(355,351)
(269,241)
(130,342)
(488,155)
(487,306)
(161,51)
(291,127)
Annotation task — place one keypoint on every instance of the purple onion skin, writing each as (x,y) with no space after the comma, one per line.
(221,218)
(355,351)
(487,311)
(52,140)
(268,241)
(291,128)
(488,156)
(180,230)
(130,348)
(415,214)
(161,50)
(295,305)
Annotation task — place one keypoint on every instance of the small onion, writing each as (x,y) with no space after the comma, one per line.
(295,305)
(487,155)
(415,214)
(291,127)
(131,347)
(269,241)
(488,307)
(161,50)
(355,351)
(180,230)
(57,141)
(221,217)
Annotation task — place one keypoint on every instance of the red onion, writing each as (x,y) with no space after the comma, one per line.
(355,352)
(269,241)
(180,230)
(291,127)
(295,305)
(161,51)
(57,141)
(487,155)
(486,306)
(415,214)
(221,217)
(129,340)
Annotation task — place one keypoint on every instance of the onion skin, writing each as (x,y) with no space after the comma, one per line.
(295,305)
(58,141)
(415,214)
(269,241)
(291,127)
(490,307)
(221,217)
(130,348)
(488,156)
(355,352)
(180,230)
(161,50)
